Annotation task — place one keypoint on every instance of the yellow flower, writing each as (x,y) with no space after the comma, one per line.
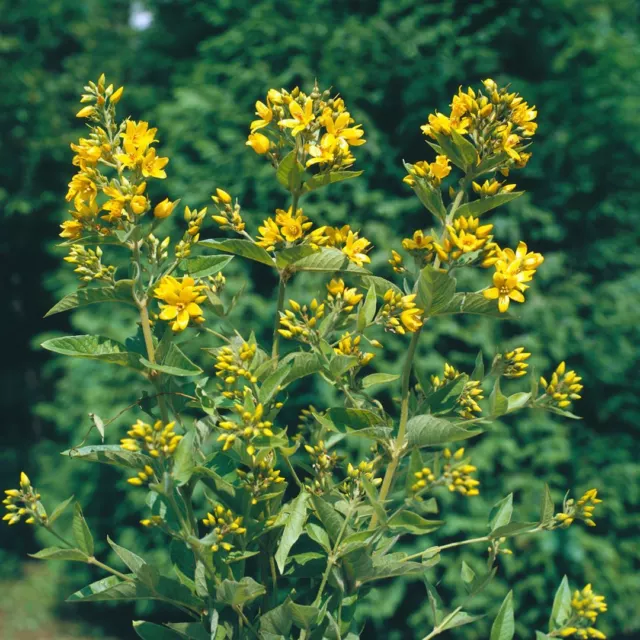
(270,235)
(292,227)
(467,235)
(82,186)
(137,136)
(153,167)
(222,196)
(259,143)
(116,95)
(509,142)
(301,117)
(419,242)
(400,313)
(513,363)
(158,440)
(396,262)
(224,523)
(139,204)
(71,229)
(563,388)
(441,168)
(350,346)
(85,112)
(506,286)
(251,426)
(182,298)
(165,208)
(325,152)
(264,114)
(87,153)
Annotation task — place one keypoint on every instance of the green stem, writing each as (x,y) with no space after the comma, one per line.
(57,535)
(276,324)
(404,416)
(108,569)
(440,628)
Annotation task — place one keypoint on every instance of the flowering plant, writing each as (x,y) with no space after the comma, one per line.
(276,531)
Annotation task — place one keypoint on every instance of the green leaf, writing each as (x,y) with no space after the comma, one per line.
(542,636)
(290,172)
(214,481)
(408,522)
(503,627)
(437,608)
(501,513)
(460,619)
(348,419)
(443,400)
(238,593)
(498,402)
(327,260)
(94,348)
(434,290)
(450,150)
(517,401)
(330,518)
(561,610)
(130,559)
(59,510)
(203,266)
(512,529)
(286,256)
(322,180)
(292,529)
(467,574)
(191,630)
(111,588)
(112,454)
(382,285)
(467,150)
(58,553)
(302,364)
(175,363)
(243,248)
(276,624)
(431,200)
(303,616)
(367,311)
(428,431)
(81,533)
(318,535)
(476,304)
(121,292)
(150,631)
(184,462)
(372,496)
(547,509)
(478,370)
(478,207)
(378,378)
(271,386)
(340,364)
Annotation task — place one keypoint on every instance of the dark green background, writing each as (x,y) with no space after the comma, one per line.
(195,72)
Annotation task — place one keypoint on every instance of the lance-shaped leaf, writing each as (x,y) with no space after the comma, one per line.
(408,522)
(345,420)
(475,304)
(174,363)
(202,266)
(467,150)
(58,553)
(547,509)
(60,509)
(434,290)
(289,173)
(561,610)
(323,179)
(94,348)
(293,528)
(243,248)
(375,379)
(327,260)
(501,513)
(478,207)
(503,627)
(381,285)
(121,292)
(112,454)
(302,364)
(512,529)
(428,431)
(238,593)
(287,256)
(367,310)
(81,533)
(332,521)
(498,402)
(151,631)
(459,619)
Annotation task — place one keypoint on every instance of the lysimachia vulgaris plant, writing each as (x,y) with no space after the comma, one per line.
(272,529)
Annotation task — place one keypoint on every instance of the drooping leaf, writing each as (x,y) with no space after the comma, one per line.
(409,522)
(111,454)
(482,205)
(58,553)
(94,348)
(243,248)
(512,529)
(434,290)
(428,431)
(81,533)
(121,292)
(503,627)
(292,529)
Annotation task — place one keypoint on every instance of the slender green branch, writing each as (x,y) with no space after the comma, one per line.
(108,569)
(57,535)
(275,351)
(441,627)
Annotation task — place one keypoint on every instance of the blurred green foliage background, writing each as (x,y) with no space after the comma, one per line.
(194,69)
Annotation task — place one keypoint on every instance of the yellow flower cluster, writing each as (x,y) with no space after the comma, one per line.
(396,262)
(195,220)
(89,265)
(182,298)
(471,394)
(24,503)
(491,188)
(349,345)
(224,523)
(455,475)
(159,441)
(420,246)
(322,463)
(287,229)
(233,365)
(349,242)
(496,121)
(513,363)
(431,172)
(342,298)
(260,477)
(123,150)
(563,388)
(365,469)
(300,321)
(465,235)
(251,426)
(582,509)
(318,126)
(513,269)
(146,475)
(585,608)
(228,216)
(400,313)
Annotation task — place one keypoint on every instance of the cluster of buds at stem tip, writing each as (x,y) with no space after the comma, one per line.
(355,474)
(260,477)
(585,608)
(349,345)
(323,463)
(563,388)
(225,524)
(455,475)
(511,364)
(581,509)
(89,265)
(227,214)
(24,504)
(342,298)
(156,249)
(467,405)
(250,425)
(299,322)
(233,368)
(160,441)
(194,220)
